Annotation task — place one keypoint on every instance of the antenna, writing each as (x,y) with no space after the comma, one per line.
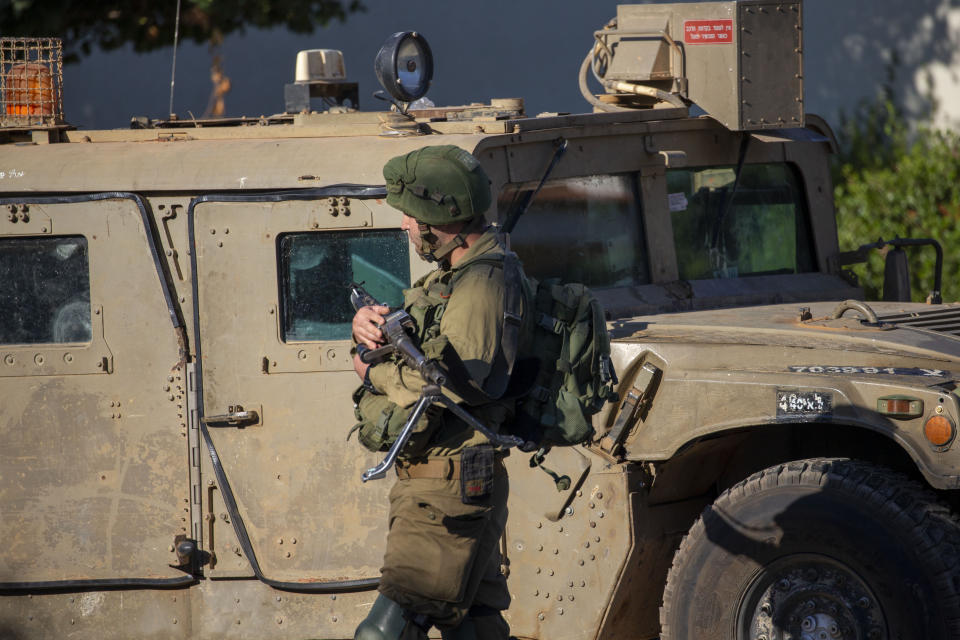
(173,71)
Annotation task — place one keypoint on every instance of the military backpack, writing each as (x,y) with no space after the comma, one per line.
(575,376)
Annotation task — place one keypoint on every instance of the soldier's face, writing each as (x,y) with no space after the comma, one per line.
(410,225)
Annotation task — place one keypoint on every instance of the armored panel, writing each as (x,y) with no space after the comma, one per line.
(740,61)
(771,65)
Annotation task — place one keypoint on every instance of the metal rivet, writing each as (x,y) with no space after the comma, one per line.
(213,232)
(539,616)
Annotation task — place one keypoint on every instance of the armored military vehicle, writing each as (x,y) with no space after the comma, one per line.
(175,366)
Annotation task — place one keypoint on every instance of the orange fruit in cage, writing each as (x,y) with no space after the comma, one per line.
(28,90)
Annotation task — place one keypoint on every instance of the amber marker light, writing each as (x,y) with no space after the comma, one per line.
(900,406)
(939,430)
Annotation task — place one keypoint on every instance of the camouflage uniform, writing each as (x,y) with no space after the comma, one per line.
(442,560)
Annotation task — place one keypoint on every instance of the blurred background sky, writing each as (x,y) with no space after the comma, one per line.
(521,48)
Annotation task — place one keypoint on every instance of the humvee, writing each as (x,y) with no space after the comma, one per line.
(175,365)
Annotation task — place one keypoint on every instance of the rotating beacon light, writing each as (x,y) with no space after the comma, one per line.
(404,67)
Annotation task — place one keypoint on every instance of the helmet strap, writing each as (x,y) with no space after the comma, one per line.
(429,243)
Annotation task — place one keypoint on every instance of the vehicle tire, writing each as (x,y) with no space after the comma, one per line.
(820,549)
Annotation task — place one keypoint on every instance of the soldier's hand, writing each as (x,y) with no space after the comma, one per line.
(366,325)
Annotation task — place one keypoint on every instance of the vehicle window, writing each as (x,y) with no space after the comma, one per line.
(765,230)
(315,269)
(584,229)
(45,291)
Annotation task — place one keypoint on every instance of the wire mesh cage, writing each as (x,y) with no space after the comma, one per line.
(31,82)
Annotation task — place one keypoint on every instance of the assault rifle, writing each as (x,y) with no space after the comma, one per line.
(396,329)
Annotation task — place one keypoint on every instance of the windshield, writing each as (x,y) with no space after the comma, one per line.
(764,230)
(586,229)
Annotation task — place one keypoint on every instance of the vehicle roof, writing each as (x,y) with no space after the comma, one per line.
(315,149)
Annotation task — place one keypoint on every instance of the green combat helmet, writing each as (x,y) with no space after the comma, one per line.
(438,185)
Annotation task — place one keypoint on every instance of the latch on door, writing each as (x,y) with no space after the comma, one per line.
(236,416)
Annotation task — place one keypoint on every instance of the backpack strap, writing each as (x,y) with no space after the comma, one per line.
(512,324)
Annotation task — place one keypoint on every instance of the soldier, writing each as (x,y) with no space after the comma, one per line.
(448,507)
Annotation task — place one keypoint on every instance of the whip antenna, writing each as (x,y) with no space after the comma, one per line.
(173,70)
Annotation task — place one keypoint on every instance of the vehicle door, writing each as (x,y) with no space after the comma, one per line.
(276,377)
(94,479)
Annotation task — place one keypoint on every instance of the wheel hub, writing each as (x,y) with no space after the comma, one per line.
(810,597)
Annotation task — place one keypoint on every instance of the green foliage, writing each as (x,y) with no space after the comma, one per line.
(893,182)
(149,25)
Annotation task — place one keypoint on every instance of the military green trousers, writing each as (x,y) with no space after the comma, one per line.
(443,556)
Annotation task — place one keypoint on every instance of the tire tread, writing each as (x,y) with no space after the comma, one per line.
(932,526)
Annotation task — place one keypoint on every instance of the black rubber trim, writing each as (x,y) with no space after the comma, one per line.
(229,500)
(102,584)
(147,226)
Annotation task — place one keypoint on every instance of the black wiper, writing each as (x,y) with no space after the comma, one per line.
(514,215)
(728,201)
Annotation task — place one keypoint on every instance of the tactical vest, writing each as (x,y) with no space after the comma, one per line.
(380,420)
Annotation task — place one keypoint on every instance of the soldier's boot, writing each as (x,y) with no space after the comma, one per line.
(387,620)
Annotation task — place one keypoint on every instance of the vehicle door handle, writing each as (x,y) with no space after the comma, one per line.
(237,416)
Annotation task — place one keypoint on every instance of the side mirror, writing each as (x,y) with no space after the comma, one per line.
(896,276)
